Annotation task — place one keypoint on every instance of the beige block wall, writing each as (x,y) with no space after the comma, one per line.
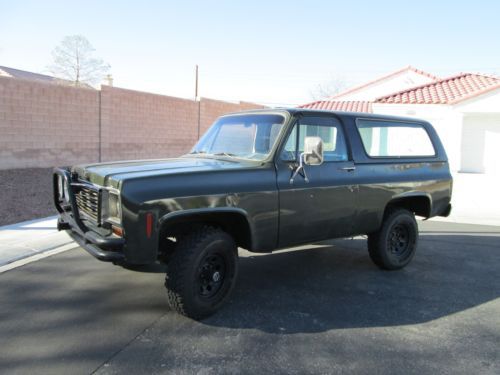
(46,125)
(210,109)
(137,125)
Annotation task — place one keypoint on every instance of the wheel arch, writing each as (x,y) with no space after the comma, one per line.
(234,221)
(418,203)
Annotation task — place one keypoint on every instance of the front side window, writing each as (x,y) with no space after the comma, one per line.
(328,129)
(394,139)
(243,136)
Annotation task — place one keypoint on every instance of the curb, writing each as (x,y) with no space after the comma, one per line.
(28,222)
(29,239)
(35,257)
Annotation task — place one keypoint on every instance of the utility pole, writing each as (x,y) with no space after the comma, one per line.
(196,84)
(197,99)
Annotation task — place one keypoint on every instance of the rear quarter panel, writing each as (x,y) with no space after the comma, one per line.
(382,180)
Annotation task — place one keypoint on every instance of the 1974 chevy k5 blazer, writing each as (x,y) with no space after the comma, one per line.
(260,180)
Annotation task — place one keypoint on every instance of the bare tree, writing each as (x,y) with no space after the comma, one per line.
(327,89)
(73,61)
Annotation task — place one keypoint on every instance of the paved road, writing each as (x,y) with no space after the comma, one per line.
(324,310)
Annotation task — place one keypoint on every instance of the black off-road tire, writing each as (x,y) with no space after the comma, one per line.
(201,257)
(395,244)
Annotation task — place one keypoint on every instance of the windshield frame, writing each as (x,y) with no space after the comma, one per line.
(269,157)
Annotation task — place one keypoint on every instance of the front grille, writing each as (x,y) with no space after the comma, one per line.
(87,201)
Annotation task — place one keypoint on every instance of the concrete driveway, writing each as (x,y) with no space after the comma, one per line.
(315,309)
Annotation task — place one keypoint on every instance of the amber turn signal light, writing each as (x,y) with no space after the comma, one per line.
(117,230)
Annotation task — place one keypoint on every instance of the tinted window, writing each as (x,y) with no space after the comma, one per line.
(394,139)
(328,129)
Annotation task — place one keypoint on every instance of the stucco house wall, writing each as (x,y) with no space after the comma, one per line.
(398,81)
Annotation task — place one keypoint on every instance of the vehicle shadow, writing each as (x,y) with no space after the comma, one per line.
(70,308)
(145,268)
(337,286)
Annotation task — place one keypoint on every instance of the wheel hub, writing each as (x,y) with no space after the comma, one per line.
(216,276)
(211,275)
(399,240)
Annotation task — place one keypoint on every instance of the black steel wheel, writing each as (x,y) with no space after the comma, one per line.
(394,245)
(399,240)
(202,272)
(211,274)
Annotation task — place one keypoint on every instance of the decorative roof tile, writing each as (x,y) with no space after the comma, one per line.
(343,106)
(408,68)
(445,91)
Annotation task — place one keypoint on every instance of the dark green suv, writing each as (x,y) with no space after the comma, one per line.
(259,180)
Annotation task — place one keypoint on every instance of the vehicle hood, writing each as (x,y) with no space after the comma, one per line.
(111,174)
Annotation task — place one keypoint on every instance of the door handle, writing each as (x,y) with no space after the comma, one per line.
(348,169)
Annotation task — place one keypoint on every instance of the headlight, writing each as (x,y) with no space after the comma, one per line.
(62,188)
(111,207)
(65,190)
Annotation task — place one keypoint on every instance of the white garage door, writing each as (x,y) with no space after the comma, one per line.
(480,151)
(492,152)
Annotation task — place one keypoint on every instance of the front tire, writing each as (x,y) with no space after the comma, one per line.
(202,272)
(395,244)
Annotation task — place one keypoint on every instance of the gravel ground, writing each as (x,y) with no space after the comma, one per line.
(26,194)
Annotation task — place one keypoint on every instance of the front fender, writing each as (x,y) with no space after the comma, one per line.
(233,220)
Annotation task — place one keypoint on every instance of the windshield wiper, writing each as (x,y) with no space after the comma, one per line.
(197,152)
(224,154)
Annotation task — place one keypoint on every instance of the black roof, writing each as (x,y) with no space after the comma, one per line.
(294,111)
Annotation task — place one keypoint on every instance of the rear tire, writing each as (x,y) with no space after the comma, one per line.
(395,244)
(202,272)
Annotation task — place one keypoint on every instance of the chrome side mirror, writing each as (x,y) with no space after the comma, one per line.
(312,155)
(313,151)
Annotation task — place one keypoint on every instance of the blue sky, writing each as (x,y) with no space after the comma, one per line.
(263,51)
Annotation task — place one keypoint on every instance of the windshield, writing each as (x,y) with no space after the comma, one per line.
(243,136)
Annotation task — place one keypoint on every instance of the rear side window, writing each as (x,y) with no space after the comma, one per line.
(394,139)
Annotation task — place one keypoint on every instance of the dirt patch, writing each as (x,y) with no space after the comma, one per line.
(25,194)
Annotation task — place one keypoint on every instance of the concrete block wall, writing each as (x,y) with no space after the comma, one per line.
(46,125)
(210,109)
(138,125)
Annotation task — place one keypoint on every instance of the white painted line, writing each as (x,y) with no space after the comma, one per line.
(37,257)
(471,234)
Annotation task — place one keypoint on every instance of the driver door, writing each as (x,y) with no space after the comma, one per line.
(325,206)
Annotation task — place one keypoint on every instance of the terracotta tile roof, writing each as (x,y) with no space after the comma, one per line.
(445,91)
(383,78)
(343,106)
